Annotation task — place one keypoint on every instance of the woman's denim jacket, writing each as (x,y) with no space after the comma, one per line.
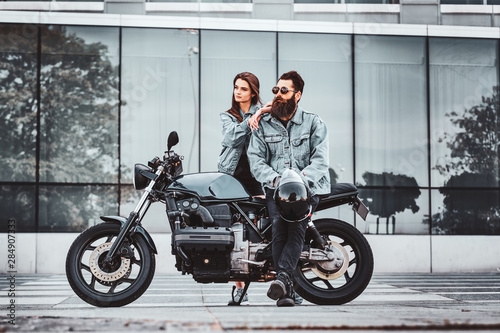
(236,137)
(302,146)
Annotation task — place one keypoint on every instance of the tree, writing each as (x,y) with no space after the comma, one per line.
(474,153)
(78,123)
(386,203)
(18,103)
(476,148)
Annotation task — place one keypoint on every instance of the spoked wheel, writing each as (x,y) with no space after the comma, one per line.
(346,275)
(116,283)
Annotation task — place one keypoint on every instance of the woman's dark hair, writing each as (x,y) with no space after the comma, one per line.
(253,82)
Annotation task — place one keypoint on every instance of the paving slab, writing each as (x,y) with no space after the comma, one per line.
(401,302)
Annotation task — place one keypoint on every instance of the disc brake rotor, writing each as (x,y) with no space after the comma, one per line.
(332,269)
(117,270)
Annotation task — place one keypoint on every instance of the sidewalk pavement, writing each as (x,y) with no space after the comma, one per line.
(176,303)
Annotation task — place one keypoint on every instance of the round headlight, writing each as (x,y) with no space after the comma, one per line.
(140,182)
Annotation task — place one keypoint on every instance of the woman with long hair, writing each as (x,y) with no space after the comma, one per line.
(237,125)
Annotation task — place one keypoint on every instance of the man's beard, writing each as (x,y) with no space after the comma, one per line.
(282,108)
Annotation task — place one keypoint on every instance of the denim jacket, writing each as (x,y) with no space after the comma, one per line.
(302,146)
(236,137)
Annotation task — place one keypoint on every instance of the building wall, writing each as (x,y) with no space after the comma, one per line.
(411,111)
(428,12)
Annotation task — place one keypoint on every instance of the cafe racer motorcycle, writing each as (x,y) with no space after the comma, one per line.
(219,234)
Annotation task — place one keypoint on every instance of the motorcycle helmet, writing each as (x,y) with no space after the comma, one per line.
(292,197)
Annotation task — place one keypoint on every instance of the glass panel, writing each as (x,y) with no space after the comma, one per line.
(347,1)
(324,62)
(391,116)
(79,104)
(155,219)
(17,202)
(464,112)
(462,2)
(75,208)
(465,212)
(159,95)
(18,103)
(395,211)
(225,54)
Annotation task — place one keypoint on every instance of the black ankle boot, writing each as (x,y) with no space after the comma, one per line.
(282,290)
(278,287)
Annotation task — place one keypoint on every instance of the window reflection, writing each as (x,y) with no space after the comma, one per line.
(156,218)
(159,95)
(17,202)
(75,208)
(225,54)
(324,62)
(18,102)
(79,104)
(466,212)
(395,211)
(391,130)
(464,103)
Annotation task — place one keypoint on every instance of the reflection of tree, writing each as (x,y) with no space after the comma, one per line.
(18,104)
(79,120)
(74,208)
(79,138)
(468,212)
(387,203)
(476,148)
(16,202)
(474,157)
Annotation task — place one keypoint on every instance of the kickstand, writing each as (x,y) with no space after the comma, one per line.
(247,284)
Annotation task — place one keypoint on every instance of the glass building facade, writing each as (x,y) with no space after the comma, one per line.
(413,120)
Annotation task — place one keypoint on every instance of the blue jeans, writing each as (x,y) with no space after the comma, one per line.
(288,237)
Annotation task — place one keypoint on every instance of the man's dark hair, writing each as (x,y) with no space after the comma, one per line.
(296,79)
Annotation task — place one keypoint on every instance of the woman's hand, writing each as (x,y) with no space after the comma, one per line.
(267,107)
(253,122)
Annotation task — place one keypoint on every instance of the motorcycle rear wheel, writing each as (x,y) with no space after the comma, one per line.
(118,284)
(320,287)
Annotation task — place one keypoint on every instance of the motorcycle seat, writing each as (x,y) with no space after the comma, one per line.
(259,200)
(341,188)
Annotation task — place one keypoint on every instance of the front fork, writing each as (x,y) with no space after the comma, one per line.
(134,218)
(315,235)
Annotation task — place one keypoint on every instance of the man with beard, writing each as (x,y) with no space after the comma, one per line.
(289,138)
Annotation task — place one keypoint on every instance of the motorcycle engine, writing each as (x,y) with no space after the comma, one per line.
(204,252)
(214,249)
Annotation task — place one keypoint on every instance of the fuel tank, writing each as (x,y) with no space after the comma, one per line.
(210,186)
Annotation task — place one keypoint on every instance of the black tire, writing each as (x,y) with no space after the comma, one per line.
(321,288)
(123,288)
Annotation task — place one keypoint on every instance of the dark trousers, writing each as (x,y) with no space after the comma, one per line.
(288,237)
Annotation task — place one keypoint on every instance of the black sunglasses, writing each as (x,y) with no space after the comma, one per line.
(284,90)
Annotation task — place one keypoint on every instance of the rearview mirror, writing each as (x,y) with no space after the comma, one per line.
(172,140)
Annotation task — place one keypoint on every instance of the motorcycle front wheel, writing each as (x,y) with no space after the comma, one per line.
(341,281)
(113,284)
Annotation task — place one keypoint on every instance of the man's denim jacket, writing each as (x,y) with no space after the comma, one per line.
(236,137)
(302,146)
